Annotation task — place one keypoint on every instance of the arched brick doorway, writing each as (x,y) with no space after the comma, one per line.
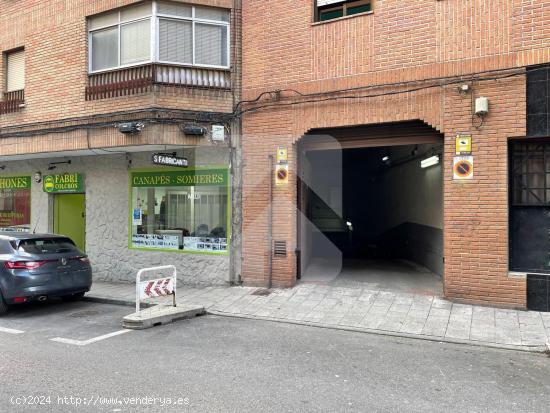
(369,210)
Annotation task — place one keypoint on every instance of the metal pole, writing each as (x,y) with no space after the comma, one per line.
(270,222)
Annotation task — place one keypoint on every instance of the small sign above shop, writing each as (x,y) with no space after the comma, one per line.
(15,182)
(160,178)
(218,132)
(169,160)
(63,183)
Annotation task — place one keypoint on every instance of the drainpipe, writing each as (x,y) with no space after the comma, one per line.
(270,221)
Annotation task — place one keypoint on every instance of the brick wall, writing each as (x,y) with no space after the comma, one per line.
(54,35)
(398,42)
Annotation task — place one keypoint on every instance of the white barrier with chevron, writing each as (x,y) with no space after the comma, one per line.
(159,287)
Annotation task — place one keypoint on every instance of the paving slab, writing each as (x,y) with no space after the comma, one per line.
(362,309)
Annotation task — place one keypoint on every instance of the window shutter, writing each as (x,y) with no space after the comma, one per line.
(105,49)
(175,9)
(16,71)
(210,13)
(135,42)
(176,41)
(210,44)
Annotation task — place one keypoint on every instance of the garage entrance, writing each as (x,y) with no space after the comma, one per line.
(371,202)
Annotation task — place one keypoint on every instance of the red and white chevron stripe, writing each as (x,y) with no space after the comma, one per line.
(156,288)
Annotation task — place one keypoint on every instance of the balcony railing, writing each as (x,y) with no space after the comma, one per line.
(140,79)
(12,101)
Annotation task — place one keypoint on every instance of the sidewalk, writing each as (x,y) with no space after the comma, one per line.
(364,310)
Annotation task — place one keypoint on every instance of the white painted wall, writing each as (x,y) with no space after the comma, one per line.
(107,198)
(412,194)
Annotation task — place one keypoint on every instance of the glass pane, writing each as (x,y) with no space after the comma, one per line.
(47,246)
(332,14)
(535,197)
(135,42)
(211,45)
(15,209)
(136,12)
(536,163)
(210,13)
(186,217)
(174,9)
(176,41)
(358,9)
(104,20)
(535,181)
(105,49)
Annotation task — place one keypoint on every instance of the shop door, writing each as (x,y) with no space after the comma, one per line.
(70,217)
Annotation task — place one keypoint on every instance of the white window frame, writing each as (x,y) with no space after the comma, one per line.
(155,18)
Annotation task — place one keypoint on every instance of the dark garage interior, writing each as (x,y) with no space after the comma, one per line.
(374,215)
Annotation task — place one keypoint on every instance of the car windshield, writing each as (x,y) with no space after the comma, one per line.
(46,246)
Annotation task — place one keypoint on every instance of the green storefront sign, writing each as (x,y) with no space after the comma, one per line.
(63,183)
(198,177)
(15,182)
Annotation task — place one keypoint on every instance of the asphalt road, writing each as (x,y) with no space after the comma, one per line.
(216,364)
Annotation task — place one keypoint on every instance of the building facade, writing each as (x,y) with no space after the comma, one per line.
(389,77)
(116,129)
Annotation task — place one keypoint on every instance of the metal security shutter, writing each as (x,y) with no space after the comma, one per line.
(16,71)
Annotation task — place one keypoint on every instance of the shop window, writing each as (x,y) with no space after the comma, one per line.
(184,210)
(15,203)
(182,34)
(333,9)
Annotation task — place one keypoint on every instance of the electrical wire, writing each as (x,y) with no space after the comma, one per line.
(328,95)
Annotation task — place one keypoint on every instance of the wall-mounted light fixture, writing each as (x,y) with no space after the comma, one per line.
(38,177)
(464,88)
(481,110)
(193,130)
(130,128)
(431,161)
(53,165)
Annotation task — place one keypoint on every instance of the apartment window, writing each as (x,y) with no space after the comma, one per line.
(15,71)
(333,9)
(162,32)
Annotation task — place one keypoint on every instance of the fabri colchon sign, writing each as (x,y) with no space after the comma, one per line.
(63,183)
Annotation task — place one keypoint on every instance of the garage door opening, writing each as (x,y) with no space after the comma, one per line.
(373,216)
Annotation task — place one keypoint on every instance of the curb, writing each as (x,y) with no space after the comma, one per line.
(114,301)
(511,347)
(524,348)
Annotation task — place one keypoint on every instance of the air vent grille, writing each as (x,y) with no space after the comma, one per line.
(279,248)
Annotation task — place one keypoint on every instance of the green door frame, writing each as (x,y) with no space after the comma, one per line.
(69,217)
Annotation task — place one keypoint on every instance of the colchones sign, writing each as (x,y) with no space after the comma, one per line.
(63,183)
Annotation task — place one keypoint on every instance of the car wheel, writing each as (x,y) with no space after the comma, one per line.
(3,306)
(73,297)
